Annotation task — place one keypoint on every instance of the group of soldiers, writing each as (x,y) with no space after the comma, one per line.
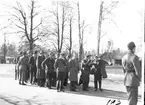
(56,71)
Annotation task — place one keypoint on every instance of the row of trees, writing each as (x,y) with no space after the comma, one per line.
(57,27)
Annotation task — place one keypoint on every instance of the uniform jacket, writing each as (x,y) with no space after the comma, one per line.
(132,69)
(60,65)
(23,63)
(86,65)
(103,64)
(40,72)
(73,67)
(49,62)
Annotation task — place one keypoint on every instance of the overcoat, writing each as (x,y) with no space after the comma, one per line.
(73,67)
(40,72)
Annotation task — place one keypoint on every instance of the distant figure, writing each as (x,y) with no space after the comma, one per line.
(17,73)
(86,65)
(22,67)
(33,68)
(66,71)
(73,67)
(103,64)
(40,75)
(60,66)
(97,74)
(132,70)
(50,74)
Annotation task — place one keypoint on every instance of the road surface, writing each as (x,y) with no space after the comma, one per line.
(11,93)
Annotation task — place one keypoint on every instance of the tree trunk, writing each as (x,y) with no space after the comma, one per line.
(80,42)
(31,47)
(70,48)
(99,27)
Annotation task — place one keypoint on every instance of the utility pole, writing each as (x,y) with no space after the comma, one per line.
(99,28)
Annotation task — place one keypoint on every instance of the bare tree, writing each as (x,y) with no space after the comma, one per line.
(24,23)
(104,12)
(60,23)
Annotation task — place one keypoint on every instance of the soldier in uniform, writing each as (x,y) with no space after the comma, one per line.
(33,69)
(49,62)
(17,73)
(86,72)
(132,70)
(66,71)
(73,67)
(40,75)
(60,66)
(97,74)
(22,66)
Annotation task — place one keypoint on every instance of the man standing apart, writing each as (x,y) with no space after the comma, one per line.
(49,62)
(60,66)
(132,70)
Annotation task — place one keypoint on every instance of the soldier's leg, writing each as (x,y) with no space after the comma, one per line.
(100,85)
(58,81)
(16,73)
(62,80)
(31,76)
(20,78)
(96,85)
(71,86)
(132,95)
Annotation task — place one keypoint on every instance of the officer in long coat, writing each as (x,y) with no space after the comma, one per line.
(22,66)
(73,67)
(97,74)
(50,73)
(86,65)
(40,75)
(33,69)
(132,70)
(17,73)
(66,71)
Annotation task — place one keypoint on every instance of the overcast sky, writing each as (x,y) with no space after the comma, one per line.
(128,16)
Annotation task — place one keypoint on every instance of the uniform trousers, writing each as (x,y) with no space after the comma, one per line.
(60,80)
(132,95)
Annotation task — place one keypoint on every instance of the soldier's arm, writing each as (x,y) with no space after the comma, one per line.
(56,64)
(37,62)
(123,62)
(43,63)
(137,67)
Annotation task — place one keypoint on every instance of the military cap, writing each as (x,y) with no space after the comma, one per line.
(35,52)
(24,53)
(88,56)
(131,45)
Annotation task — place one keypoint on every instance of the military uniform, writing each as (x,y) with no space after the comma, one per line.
(132,70)
(60,66)
(40,75)
(22,66)
(33,69)
(97,75)
(50,73)
(86,73)
(73,67)
(66,73)
(103,63)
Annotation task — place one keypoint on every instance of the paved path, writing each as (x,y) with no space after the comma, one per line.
(11,93)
